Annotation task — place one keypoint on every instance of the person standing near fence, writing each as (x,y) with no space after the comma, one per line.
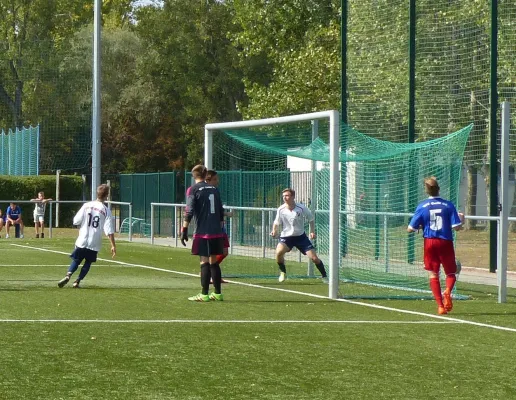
(438,218)
(204,204)
(39,214)
(13,218)
(291,216)
(94,218)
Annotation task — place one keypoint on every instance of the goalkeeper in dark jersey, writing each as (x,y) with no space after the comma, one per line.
(204,204)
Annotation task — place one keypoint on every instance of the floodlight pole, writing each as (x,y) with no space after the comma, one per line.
(96,119)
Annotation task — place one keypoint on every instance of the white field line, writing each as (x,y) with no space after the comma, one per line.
(47,265)
(215,321)
(359,303)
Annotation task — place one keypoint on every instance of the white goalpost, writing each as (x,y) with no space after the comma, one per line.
(334,181)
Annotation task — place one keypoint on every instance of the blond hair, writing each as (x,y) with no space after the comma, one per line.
(102,192)
(432,186)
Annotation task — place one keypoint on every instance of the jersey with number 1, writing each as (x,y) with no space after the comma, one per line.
(204,203)
(438,218)
(94,218)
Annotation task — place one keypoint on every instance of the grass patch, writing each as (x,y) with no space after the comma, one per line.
(130,333)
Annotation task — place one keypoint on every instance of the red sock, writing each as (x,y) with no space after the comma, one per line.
(221,257)
(435,285)
(450,281)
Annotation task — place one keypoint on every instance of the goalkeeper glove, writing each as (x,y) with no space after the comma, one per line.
(184,236)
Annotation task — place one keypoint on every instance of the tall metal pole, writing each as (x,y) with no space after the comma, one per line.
(344,120)
(344,61)
(96,122)
(412,114)
(493,164)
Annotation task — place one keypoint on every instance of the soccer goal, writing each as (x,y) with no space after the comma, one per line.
(361,190)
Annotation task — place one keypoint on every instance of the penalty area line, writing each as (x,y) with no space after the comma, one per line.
(317,296)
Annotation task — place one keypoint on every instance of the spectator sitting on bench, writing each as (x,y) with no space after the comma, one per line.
(14,217)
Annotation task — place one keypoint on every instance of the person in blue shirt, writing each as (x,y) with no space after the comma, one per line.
(14,217)
(438,218)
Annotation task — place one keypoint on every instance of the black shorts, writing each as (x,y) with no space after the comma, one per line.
(80,254)
(208,247)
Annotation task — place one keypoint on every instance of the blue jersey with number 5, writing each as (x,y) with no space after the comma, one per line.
(438,218)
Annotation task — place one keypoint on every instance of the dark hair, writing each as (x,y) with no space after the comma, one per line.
(210,174)
(290,190)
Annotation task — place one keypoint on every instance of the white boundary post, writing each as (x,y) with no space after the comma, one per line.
(57,197)
(208,147)
(504,212)
(333,117)
(334,204)
(313,197)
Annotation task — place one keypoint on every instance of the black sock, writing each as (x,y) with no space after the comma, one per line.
(282,267)
(321,269)
(216,276)
(205,277)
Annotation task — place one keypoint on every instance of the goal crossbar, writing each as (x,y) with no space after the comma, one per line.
(334,131)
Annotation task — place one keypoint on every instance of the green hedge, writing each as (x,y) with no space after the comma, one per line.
(27,187)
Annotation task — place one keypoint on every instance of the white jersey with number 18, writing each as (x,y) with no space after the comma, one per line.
(93,217)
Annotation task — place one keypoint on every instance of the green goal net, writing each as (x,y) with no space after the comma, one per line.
(380,185)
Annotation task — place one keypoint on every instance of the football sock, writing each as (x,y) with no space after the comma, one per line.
(321,269)
(450,281)
(282,267)
(221,258)
(84,270)
(435,285)
(73,266)
(216,276)
(205,278)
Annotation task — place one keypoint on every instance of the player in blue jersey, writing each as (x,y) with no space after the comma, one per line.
(204,204)
(291,216)
(438,218)
(13,218)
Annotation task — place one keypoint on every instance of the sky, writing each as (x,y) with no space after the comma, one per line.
(138,3)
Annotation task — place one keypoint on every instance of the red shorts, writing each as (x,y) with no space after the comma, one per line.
(437,252)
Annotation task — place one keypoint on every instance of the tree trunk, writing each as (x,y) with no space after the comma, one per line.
(471,199)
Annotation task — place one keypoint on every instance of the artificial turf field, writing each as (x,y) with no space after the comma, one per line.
(130,333)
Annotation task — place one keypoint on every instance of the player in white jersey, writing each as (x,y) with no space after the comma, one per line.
(39,213)
(94,218)
(292,217)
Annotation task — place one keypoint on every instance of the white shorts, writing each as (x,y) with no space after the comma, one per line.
(39,218)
